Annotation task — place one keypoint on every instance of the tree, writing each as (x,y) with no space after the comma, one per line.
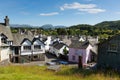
(65,51)
(61,31)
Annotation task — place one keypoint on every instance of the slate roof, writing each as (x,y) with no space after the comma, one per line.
(58,45)
(78,44)
(6,31)
(55,43)
(25,40)
(34,39)
(18,38)
(44,39)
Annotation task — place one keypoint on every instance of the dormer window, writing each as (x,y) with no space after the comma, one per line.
(9,42)
(3,40)
(37,46)
(27,47)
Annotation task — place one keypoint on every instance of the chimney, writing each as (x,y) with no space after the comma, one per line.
(6,21)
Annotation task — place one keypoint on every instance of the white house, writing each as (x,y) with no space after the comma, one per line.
(6,40)
(82,39)
(57,48)
(26,48)
(47,42)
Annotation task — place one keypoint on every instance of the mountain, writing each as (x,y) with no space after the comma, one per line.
(83,26)
(50,26)
(106,24)
(109,24)
(60,26)
(20,25)
(46,26)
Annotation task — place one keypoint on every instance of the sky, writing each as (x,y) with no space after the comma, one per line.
(59,12)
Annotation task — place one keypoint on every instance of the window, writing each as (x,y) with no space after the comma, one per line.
(3,40)
(113,47)
(35,56)
(73,57)
(9,42)
(27,47)
(37,47)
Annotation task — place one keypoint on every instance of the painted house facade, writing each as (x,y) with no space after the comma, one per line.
(109,53)
(80,52)
(27,49)
(47,42)
(6,40)
(57,48)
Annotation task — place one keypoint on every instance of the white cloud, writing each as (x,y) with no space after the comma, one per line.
(90,8)
(93,11)
(77,5)
(49,14)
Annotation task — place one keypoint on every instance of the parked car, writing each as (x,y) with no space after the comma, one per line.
(50,63)
(63,62)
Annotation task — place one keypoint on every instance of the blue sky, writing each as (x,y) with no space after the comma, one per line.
(59,12)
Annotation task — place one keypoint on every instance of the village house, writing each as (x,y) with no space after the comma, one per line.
(109,53)
(27,48)
(6,40)
(81,53)
(57,48)
(47,42)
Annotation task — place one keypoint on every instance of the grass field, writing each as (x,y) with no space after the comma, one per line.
(41,73)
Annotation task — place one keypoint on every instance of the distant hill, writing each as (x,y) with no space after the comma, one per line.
(105,24)
(81,26)
(60,26)
(50,26)
(46,26)
(109,24)
(20,25)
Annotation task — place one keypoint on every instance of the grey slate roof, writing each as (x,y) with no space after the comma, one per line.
(6,31)
(44,39)
(18,38)
(34,39)
(58,45)
(78,44)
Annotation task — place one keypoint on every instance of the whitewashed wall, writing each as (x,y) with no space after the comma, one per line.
(5,53)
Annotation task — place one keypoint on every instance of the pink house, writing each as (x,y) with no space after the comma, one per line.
(80,52)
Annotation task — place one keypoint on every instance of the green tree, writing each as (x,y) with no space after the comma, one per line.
(65,51)
(61,31)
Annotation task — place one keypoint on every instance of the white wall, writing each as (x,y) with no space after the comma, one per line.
(32,51)
(48,42)
(88,53)
(26,43)
(5,53)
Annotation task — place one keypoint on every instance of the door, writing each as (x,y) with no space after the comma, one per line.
(16,50)
(16,59)
(80,62)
